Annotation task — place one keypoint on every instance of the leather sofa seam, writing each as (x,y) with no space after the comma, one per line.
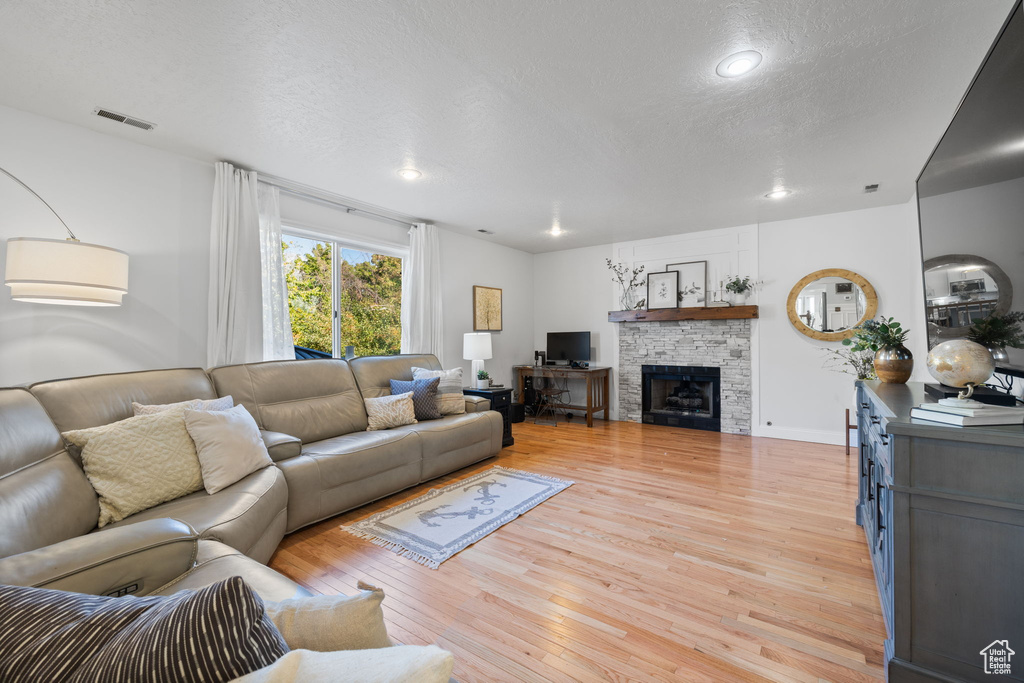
(33,464)
(133,551)
(270,526)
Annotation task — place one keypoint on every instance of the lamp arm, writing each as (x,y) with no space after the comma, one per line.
(12,177)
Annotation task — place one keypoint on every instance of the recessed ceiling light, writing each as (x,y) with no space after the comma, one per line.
(738,64)
(778,194)
(555,231)
(410,173)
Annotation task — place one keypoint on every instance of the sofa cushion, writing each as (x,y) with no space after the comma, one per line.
(44,495)
(138,463)
(309,399)
(55,635)
(424,396)
(387,412)
(374,373)
(456,441)
(216,561)
(84,402)
(249,515)
(229,445)
(353,457)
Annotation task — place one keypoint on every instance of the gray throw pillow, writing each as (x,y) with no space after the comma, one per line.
(217,633)
(424,396)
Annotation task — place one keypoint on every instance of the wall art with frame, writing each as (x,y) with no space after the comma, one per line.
(663,290)
(693,283)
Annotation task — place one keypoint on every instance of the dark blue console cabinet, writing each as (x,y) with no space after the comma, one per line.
(942,510)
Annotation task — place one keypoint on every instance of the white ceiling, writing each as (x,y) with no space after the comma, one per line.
(605,115)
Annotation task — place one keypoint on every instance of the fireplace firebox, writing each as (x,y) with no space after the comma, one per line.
(682,396)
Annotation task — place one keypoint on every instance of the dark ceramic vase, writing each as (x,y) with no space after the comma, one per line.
(894,364)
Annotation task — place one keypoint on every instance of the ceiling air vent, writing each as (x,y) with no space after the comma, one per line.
(121,118)
(486,232)
(868,189)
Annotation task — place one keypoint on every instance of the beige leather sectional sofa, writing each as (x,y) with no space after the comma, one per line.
(313,421)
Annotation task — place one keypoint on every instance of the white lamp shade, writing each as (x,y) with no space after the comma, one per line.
(476,346)
(46,271)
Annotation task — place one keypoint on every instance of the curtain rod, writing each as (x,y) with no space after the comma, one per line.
(334,200)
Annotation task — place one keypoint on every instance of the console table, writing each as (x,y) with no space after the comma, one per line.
(501,403)
(942,509)
(597,379)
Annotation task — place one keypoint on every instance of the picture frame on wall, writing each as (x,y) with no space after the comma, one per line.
(663,290)
(486,309)
(693,283)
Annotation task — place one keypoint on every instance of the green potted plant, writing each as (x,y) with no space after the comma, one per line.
(893,361)
(739,288)
(483,380)
(996,332)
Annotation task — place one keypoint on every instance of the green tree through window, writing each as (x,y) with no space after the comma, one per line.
(370,297)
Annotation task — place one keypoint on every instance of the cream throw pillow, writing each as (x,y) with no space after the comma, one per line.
(229,445)
(138,463)
(390,411)
(332,622)
(450,400)
(401,664)
(222,403)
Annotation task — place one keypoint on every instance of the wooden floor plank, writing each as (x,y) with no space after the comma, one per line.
(678,555)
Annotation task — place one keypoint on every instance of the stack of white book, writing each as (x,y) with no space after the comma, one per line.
(969,417)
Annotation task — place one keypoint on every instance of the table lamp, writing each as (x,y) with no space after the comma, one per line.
(476,346)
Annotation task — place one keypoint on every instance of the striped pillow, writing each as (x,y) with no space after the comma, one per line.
(217,633)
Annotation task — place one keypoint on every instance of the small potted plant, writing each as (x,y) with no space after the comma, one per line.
(483,380)
(996,332)
(893,362)
(627,288)
(739,288)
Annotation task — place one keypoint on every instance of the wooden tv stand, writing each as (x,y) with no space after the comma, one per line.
(597,379)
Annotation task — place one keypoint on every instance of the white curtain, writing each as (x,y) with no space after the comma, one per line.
(235,333)
(421,293)
(277,325)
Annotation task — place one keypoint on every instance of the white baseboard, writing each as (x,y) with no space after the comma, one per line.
(834,438)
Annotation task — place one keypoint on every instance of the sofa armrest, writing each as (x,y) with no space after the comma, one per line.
(477,404)
(281,446)
(135,558)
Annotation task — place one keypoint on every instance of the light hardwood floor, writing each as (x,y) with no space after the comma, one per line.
(679,555)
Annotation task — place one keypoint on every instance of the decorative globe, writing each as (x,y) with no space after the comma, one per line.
(959,362)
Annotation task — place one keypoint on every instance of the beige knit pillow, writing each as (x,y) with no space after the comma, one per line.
(138,463)
(325,623)
(390,411)
(223,403)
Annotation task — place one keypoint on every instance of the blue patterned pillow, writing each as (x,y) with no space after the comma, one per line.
(424,396)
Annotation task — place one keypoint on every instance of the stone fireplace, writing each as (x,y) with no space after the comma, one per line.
(701,349)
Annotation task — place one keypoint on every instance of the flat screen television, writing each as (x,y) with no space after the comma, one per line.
(568,346)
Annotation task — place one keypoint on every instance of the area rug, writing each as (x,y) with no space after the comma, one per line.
(443,521)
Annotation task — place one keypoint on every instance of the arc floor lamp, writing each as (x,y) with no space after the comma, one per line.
(68,272)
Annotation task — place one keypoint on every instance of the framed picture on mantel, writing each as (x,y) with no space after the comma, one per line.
(662,290)
(693,283)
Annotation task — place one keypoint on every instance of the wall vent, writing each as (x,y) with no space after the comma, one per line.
(122,118)
(868,189)
(485,232)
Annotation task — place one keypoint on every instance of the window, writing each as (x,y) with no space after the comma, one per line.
(340,295)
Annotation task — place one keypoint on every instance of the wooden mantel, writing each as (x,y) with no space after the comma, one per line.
(659,314)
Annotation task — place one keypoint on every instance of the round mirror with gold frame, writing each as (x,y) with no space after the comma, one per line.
(829,304)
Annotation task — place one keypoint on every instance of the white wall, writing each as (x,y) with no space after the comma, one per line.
(467,261)
(801,399)
(793,391)
(152,204)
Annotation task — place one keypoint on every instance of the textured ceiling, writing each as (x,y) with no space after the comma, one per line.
(605,115)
